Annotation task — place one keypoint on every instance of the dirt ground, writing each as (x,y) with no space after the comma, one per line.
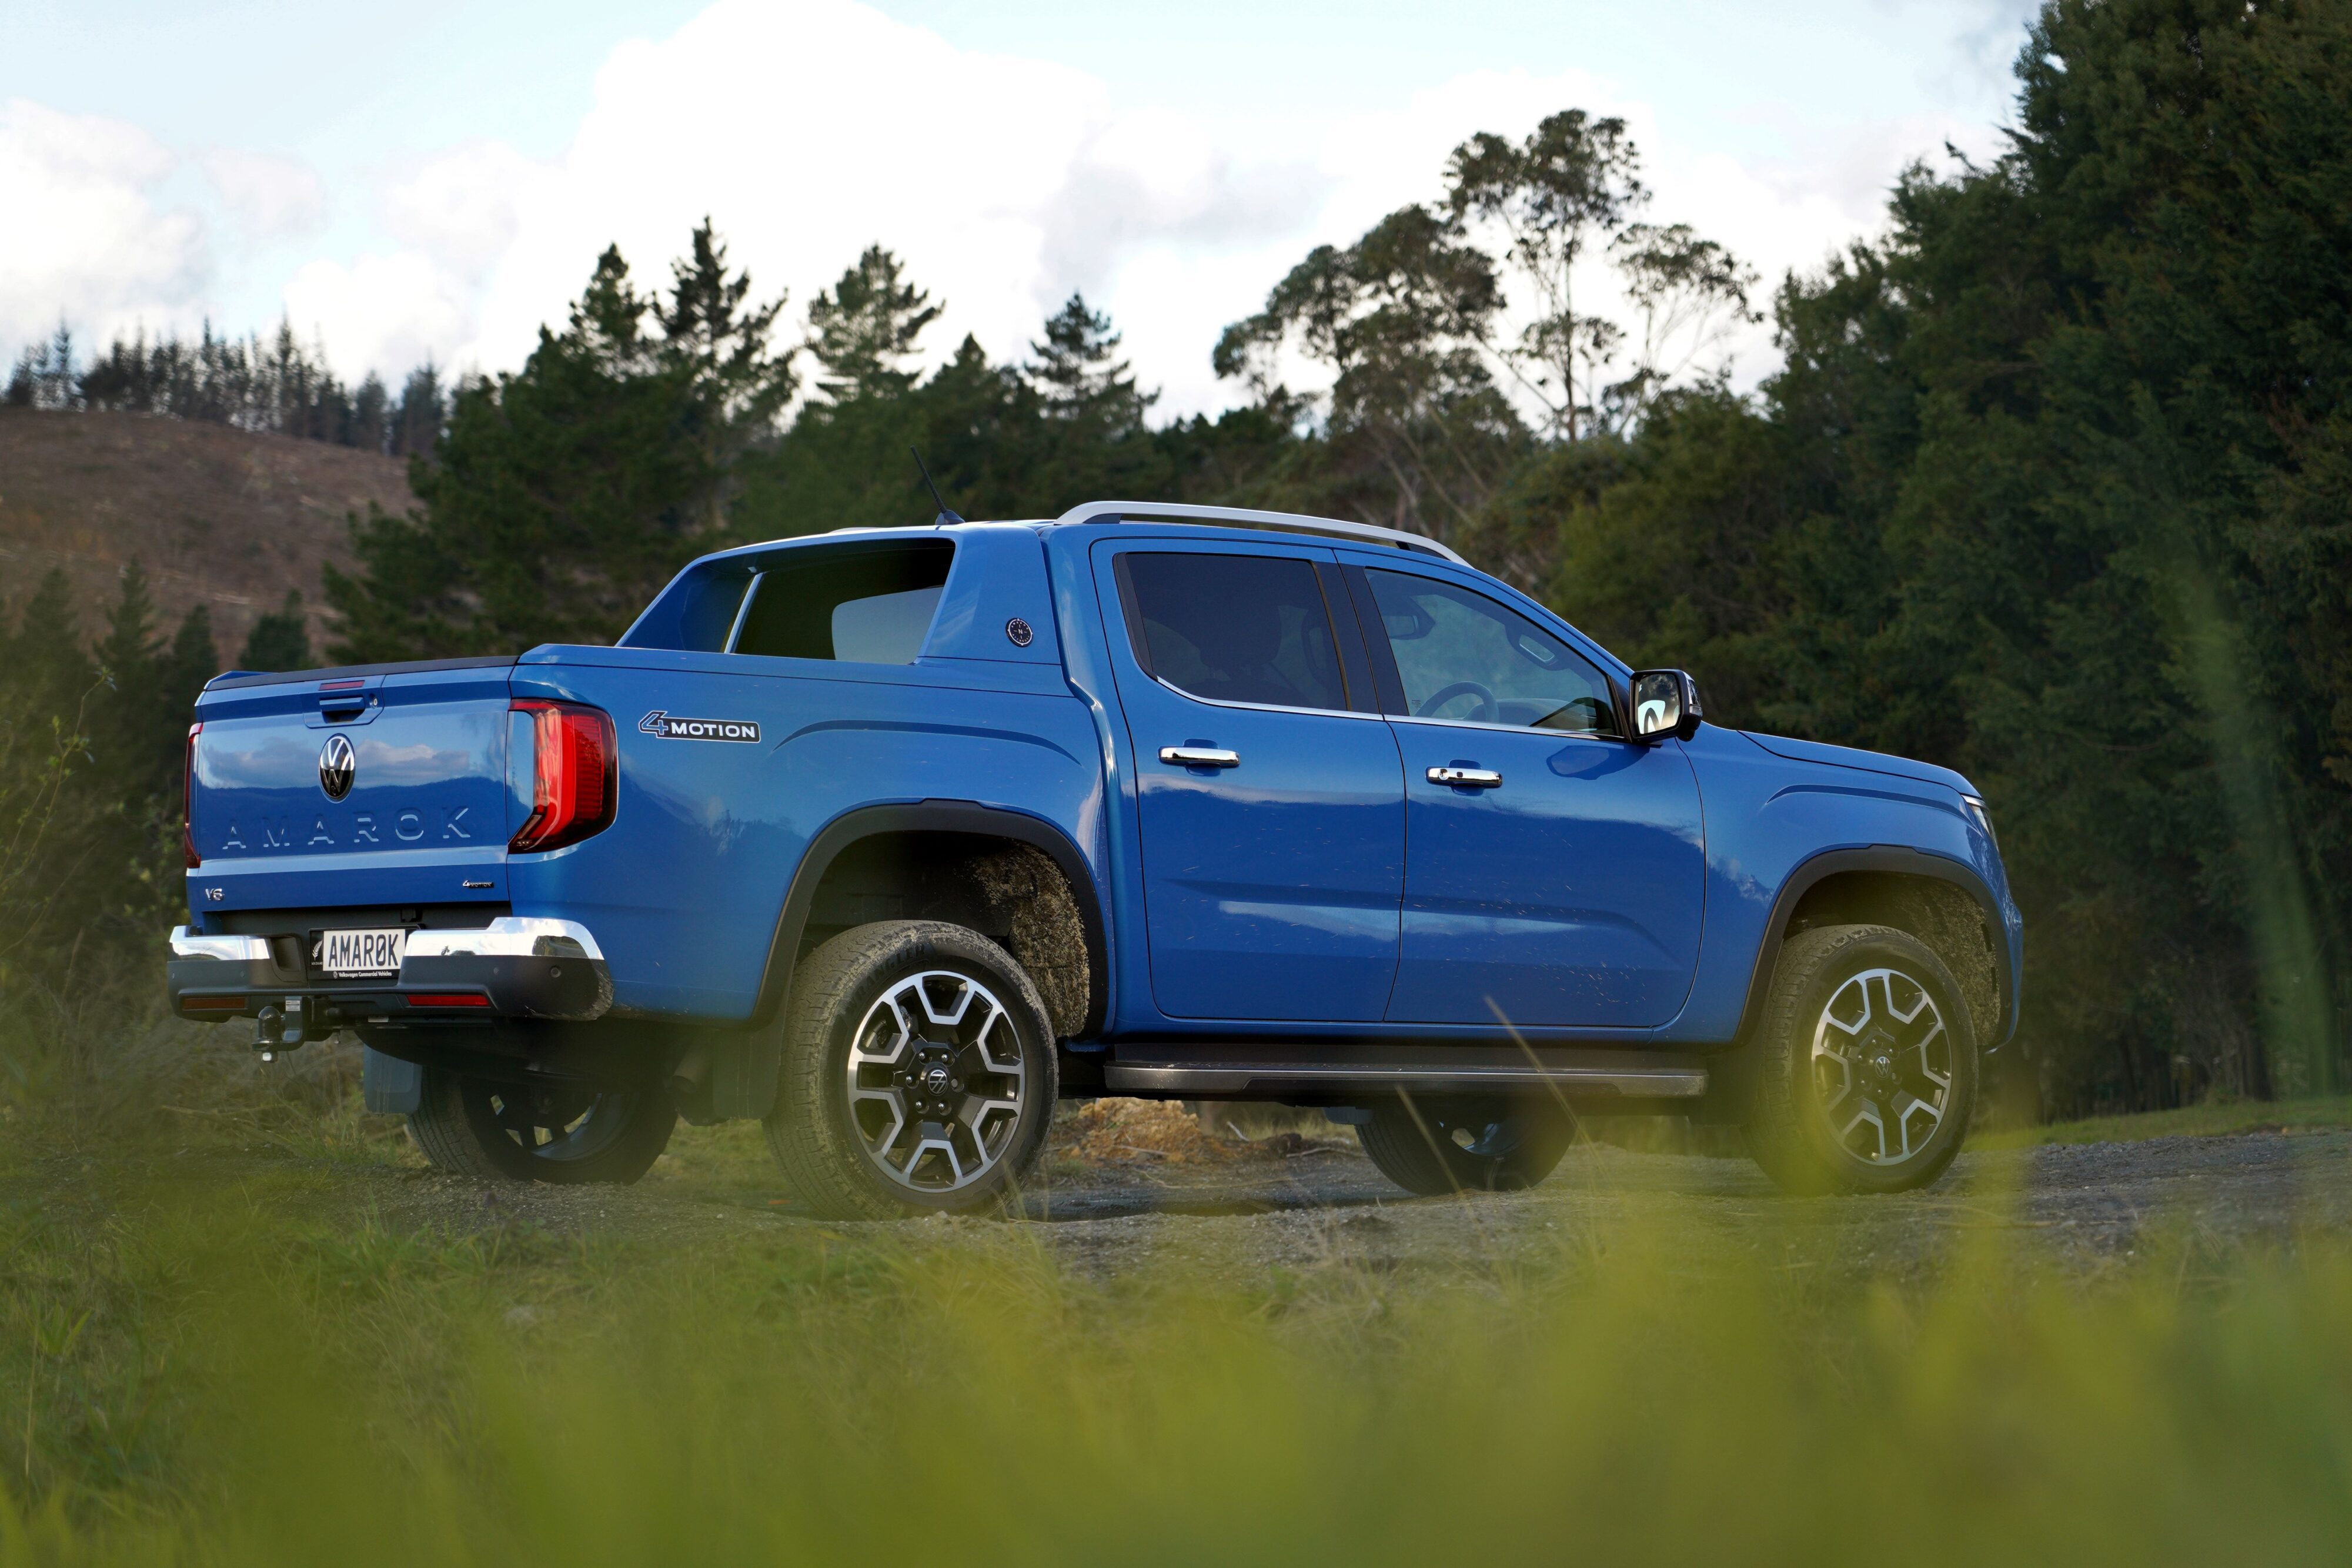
(1218,1208)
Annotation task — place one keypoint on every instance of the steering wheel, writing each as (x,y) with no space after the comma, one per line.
(1487,712)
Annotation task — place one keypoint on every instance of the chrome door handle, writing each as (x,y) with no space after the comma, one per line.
(1466,778)
(1199,756)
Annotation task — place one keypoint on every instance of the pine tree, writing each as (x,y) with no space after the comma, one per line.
(562,494)
(1091,440)
(279,640)
(1079,377)
(45,656)
(126,710)
(422,410)
(866,329)
(191,661)
(717,344)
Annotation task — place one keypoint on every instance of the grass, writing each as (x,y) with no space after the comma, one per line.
(2189,1121)
(223,1340)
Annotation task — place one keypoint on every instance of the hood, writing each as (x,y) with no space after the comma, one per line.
(1865,761)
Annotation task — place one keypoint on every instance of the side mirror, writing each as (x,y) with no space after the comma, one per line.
(1666,703)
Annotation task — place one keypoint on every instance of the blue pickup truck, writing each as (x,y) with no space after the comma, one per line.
(892,838)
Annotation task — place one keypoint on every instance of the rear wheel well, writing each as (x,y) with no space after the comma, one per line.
(1001,887)
(1937,912)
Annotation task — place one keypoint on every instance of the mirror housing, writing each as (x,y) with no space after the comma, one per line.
(1666,705)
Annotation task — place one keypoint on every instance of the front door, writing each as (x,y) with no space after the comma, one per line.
(1556,876)
(1269,793)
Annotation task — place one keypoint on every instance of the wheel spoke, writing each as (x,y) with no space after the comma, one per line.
(937,1064)
(1881,1032)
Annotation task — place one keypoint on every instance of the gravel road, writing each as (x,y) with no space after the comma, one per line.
(1300,1205)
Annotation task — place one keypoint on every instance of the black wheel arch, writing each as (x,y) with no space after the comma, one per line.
(968,818)
(1885,861)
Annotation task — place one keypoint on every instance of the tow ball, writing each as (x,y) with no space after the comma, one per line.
(278,1029)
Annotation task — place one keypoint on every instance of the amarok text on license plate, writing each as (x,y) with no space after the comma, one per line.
(362,952)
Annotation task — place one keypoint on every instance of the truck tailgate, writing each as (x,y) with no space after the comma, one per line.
(377,785)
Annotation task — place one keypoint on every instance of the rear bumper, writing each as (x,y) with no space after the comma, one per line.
(517,967)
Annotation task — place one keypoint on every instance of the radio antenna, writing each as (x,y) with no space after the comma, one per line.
(946,514)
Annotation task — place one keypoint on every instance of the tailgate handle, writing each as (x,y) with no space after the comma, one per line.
(345,704)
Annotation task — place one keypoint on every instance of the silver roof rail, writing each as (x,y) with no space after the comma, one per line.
(1244,517)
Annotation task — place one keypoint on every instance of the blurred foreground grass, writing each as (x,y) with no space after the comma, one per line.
(209,1354)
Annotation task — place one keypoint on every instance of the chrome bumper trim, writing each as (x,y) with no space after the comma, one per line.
(233,949)
(508,937)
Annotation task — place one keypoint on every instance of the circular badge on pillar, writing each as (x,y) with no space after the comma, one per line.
(1018,631)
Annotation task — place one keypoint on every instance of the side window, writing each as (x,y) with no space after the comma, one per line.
(868,603)
(1462,656)
(1233,628)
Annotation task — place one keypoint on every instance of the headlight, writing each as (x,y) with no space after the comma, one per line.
(1981,816)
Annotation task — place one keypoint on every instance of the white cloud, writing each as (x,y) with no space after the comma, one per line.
(461,207)
(384,313)
(87,235)
(808,129)
(269,198)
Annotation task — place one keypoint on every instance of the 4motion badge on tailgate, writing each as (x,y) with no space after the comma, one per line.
(669,727)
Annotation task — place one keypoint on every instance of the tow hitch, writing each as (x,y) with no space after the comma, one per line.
(278,1029)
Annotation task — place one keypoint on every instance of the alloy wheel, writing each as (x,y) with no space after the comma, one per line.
(935,1082)
(1881,1063)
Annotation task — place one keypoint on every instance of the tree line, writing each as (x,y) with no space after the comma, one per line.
(2051,485)
(277,385)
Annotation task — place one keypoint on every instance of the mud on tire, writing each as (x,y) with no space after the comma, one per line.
(1867,1070)
(918,1074)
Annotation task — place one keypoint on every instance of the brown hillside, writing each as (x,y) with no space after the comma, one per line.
(216,514)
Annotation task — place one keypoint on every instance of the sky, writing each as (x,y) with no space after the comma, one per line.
(435,178)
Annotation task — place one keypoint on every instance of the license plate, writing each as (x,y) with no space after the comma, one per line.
(362,952)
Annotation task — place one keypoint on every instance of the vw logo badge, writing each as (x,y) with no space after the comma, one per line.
(337,766)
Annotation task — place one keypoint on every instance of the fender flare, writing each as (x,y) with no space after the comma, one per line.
(1885,857)
(934,816)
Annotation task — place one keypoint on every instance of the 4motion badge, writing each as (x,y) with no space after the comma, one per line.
(338,766)
(670,726)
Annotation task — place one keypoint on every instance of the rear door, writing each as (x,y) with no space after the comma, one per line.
(1270,791)
(1557,871)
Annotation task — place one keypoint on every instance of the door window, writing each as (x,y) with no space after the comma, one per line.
(1233,628)
(1462,656)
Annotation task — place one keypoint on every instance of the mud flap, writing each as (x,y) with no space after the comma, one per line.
(1730,1098)
(744,1066)
(388,1085)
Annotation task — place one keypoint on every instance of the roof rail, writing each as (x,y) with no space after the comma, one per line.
(1244,517)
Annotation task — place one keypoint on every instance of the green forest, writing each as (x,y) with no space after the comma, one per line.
(2050,486)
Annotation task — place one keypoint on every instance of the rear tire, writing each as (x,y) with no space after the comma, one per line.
(1433,1146)
(561,1133)
(1867,1076)
(918,1074)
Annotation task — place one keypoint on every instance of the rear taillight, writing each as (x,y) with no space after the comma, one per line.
(188,802)
(574,771)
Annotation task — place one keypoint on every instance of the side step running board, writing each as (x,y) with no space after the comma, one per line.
(1213,1071)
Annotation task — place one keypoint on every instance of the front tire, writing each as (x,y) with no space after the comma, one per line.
(1868,1074)
(1433,1145)
(563,1131)
(918,1074)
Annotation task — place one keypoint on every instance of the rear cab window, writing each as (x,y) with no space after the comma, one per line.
(867,601)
